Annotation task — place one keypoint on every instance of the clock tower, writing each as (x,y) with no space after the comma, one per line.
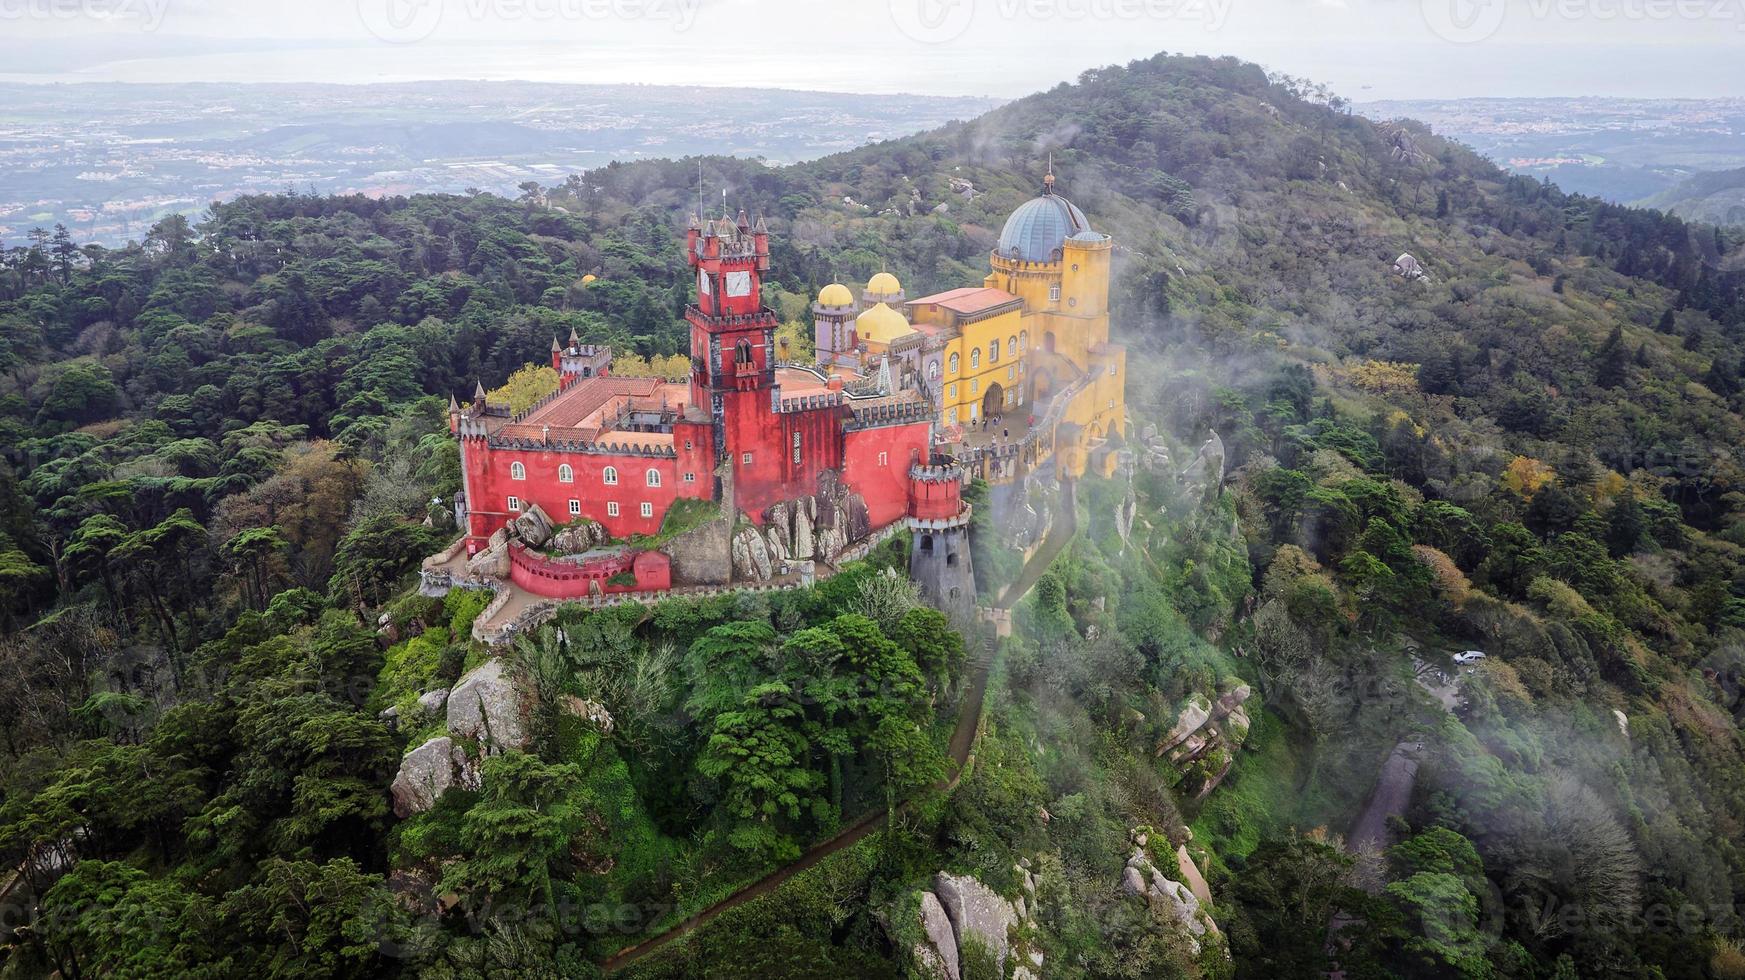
(733,363)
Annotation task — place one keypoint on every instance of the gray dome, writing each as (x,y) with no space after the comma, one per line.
(1035,231)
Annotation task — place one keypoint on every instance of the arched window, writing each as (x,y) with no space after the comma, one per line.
(1023,340)
(994,351)
(953,362)
(517,471)
(1012,346)
(565,474)
(932,370)
(975,358)
(654,478)
(742,353)
(610,476)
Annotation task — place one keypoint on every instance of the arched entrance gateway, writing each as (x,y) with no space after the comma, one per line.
(994,402)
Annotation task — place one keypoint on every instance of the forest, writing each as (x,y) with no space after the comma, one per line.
(226,452)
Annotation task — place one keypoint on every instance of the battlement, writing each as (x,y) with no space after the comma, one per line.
(762,318)
(581,446)
(942,473)
(901,413)
(807,403)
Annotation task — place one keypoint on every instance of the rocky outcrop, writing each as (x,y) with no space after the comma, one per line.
(576,539)
(938,955)
(487,707)
(1191,719)
(751,558)
(427,772)
(1141,878)
(977,910)
(1407,267)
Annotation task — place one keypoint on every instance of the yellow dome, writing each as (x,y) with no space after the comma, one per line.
(590,277)
(883,284)
(835,294)
(881,325)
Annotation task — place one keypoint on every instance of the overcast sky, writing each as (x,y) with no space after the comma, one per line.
(1365,49)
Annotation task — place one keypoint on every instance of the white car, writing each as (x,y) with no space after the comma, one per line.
(1469,657)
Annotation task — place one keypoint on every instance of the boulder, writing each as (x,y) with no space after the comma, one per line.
(485,706)
(778,549)
(432,702)
(1197,712)
(976,910)
(576,539)
(534,527)
(427,772)
(1406,266)
(803,544)
(751,560)
(493,562)
(939,953)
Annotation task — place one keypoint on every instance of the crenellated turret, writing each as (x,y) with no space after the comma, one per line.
(939,558)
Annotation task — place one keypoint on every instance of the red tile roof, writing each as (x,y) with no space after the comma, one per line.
(967,300)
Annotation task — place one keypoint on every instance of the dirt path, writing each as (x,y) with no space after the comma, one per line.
(969,716)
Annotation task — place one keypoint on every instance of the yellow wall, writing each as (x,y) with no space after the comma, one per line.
(973,382)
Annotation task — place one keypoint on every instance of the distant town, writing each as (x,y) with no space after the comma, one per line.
(1625,150)
(109,160)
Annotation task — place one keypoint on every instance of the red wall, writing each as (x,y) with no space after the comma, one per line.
(773,476)
(885,488)
(489,484)
(934,498)
(573,580)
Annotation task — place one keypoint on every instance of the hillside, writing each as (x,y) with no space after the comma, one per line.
(224,442)
(1715,198)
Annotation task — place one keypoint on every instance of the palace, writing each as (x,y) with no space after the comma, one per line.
(903,402)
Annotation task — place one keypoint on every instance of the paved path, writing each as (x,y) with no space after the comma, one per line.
(969,716)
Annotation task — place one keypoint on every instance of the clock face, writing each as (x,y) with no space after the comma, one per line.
(702,283)
(739,284)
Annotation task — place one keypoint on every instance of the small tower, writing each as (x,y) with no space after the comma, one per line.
(939,560)
(833,339)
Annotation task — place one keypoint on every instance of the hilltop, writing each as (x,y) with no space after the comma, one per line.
(1521,442)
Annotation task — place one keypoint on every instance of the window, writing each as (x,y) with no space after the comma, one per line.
(954,362)
(690,478)
(884,459)
(1054,292)
(952,416)
(975,386)
(647,509)
(975,358)
(687,444)
(610,475)
(653,478)
(611,508)
(745,459)
(1023,340)
(1011,372)
(974,411)
(517,471)
(575,508)
(954,389)
(514,503)
(994,351)
(566,474)
(1012,346)
(742,352)
(932,370)
(1111,403)
(1111,370)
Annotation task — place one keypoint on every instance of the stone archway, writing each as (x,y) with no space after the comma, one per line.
(994,402)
